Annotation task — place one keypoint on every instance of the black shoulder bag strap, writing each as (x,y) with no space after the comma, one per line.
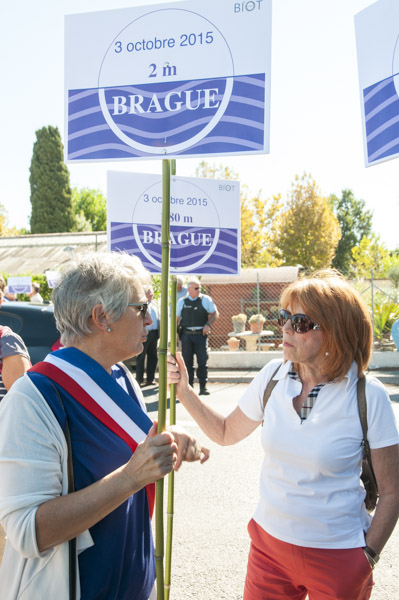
(71,488)
(269,388)
(368,475)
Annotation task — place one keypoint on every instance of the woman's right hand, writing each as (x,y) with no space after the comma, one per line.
(153,458)
(176,369)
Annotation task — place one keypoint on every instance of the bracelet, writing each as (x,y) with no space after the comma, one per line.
(372,553)
(369,559)
(372,556)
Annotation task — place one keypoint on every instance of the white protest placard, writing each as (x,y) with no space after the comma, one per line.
(204,222)
(377,39)
(160,81)
(53,278)
(19,285)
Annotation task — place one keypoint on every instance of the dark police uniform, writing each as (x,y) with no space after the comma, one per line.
(193,318)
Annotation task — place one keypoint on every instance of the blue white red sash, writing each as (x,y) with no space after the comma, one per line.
(90,385)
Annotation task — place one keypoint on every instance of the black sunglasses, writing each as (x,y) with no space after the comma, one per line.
(143,307)
(299,323)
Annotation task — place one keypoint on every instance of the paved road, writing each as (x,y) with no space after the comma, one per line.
(214,502)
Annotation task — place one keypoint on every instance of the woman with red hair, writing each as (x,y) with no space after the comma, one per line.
(311,534)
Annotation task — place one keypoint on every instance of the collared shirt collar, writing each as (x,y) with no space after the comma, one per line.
(351,375)
(283,370)
(192,299)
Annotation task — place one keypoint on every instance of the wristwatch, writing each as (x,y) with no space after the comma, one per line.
(372,556)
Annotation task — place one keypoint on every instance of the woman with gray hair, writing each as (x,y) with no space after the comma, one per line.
(78,453)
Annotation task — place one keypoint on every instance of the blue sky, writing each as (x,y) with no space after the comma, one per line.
(315,107)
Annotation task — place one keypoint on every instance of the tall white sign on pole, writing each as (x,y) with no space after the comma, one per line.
(160,81)
(377,38)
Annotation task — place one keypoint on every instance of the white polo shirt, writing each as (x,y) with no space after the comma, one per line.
(310,489)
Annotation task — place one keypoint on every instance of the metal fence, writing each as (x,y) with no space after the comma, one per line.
(382,298)
(248,309)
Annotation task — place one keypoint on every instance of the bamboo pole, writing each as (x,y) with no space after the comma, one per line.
(163,348)
(172,421)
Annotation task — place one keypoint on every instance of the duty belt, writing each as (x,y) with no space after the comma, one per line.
(192,331)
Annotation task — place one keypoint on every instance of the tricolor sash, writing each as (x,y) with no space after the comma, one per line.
(96,390)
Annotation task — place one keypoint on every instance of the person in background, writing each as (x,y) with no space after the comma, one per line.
(101,312)
(181,289)
(150,346)
(14,357)
(8,296)
(34,295)
(311,534)
(195,314)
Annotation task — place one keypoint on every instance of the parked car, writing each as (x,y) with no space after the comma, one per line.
(35,323)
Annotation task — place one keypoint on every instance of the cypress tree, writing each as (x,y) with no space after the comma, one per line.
(51,194)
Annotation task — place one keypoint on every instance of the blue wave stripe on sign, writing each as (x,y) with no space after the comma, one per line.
(381,109)
(371,93)
(240,129)
(383,127)
(223,259)
(106,151)
(217,144)
(198,122)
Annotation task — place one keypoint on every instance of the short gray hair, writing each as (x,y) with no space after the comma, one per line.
(107,278)
(193,281)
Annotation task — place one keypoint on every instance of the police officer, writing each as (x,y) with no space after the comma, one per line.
(195,314)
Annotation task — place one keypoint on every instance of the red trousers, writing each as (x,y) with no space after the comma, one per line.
(281,571)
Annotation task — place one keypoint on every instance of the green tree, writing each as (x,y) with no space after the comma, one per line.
(90,208)
(355,223)
(5,229)
(257,219)
(308,231)
(51,195)
(393,276)
(371,253)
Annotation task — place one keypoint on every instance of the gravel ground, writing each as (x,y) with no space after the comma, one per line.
(215,501)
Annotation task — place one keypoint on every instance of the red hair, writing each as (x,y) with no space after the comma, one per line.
(343,316)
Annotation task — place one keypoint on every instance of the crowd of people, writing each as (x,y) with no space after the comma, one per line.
(79,455)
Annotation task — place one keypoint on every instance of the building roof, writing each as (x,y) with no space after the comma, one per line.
(267,275)
(38,253)
(42,252)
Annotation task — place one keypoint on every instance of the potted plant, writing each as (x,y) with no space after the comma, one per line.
(256,323)
(233,344)
(239,322)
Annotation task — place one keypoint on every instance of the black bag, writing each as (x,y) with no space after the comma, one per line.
(367,476)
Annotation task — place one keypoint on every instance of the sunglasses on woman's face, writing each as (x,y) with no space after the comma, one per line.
(299,323)
(143,307)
